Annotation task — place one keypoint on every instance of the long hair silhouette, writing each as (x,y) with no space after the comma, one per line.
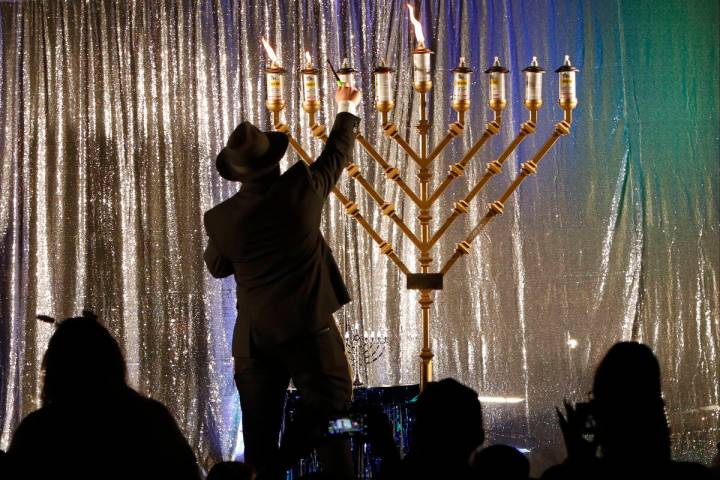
(628,404)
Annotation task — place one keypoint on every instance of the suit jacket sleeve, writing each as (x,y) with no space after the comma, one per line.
(218,265)
(336,155)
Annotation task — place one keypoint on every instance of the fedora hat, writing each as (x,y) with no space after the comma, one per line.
(250,153)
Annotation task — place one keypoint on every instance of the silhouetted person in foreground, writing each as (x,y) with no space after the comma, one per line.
(448,427)
(231,471)
(91,424)
(631,428)
(500,462)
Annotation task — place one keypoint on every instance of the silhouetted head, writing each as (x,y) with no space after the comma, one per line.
(500,462)
(82,362)
(629,369)
(231,471)
(448,422)
(628,405)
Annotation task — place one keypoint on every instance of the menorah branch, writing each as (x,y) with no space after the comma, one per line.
(454,130)
(387,208)
(458,169)
(492,169)
(392,173)
(391,131)
(496,208)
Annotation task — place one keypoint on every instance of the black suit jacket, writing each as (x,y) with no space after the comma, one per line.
(268,236)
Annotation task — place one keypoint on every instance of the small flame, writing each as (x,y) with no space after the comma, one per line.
(308,60)
(270,52)
(417,26)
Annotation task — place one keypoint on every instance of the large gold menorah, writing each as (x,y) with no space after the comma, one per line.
(425,281)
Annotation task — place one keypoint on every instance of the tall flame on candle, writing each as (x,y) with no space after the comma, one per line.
(270,52)
(417,26)
(308,60)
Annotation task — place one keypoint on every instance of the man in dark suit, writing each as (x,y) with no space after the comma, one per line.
(288,286)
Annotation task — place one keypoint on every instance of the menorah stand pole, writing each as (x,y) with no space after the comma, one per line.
(425,259)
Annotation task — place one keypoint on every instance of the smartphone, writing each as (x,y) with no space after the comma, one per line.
(585,417)
(349,426)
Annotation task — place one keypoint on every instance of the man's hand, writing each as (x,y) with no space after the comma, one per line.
(348,94)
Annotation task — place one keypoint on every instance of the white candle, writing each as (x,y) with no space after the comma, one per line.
(461,82)
(273,76)
(567,83)
(533,87)
(310,80)
(497,72)
(383,85)
(310,90)
(497,81)
(421,72)
(274,86)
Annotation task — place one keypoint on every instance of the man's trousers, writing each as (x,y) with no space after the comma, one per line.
(318,367)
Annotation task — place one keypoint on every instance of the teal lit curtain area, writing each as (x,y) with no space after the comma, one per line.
(112,111)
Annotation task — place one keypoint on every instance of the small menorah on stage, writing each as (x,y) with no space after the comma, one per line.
(426,281)
(364,350)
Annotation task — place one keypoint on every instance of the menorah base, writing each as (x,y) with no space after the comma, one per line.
(425,281)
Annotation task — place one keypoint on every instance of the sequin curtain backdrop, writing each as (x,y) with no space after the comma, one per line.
(112,113)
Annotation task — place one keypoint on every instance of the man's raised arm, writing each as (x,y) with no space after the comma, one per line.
(339,147)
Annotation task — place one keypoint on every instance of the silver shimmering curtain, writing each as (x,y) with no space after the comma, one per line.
(111,113)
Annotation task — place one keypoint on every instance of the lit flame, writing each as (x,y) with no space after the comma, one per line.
(308,60)
(418,28)
(270,52)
